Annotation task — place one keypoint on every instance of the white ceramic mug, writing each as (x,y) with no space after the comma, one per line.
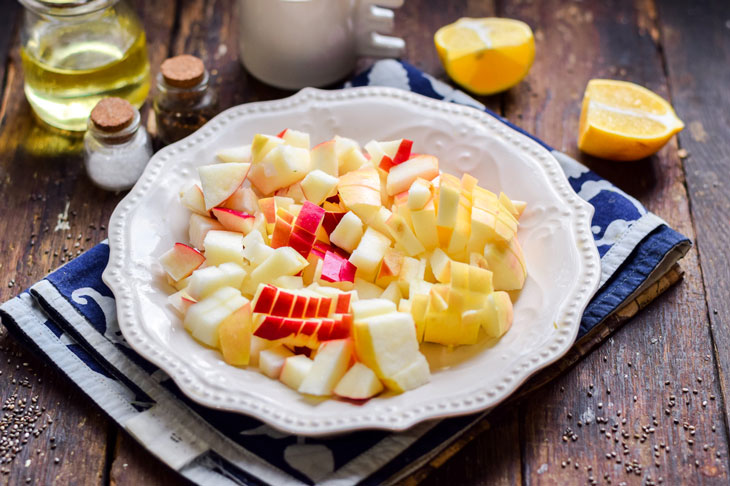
(296,43)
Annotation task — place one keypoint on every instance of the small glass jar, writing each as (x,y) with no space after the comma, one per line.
(76,52)
(185,100)
(116,146)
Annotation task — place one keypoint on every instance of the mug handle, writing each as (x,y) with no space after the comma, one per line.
(371,18)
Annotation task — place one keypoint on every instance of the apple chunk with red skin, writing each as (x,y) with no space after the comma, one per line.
(220,181)
(233,220)
(402,176)
(181,260)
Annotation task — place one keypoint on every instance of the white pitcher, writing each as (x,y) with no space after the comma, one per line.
(296,43)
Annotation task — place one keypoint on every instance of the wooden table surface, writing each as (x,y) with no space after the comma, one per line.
(616,401)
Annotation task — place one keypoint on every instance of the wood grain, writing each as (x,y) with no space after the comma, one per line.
(697,49)
(42,182)
(670,338)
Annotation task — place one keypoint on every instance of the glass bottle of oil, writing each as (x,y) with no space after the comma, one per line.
(76,52)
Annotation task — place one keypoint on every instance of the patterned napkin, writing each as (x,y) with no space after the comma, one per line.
(70,318)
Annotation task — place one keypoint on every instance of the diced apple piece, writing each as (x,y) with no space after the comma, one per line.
(234,334)
(468,183)
(255,250)
(365,308)
(412,376)
(203,318)
(348,232)
(440,265)
(283,261)
(192,198)
(361,200)
(376,152)
(295,138)
(281,167)
(235,154)
(220,181)
(390,267)
(402,233)
(369,253)
(424,226)
(519,207)
(181,260)
(206,281)
(367,290)
(359,383)
(386,343)
(324,158)
(271,361)
(497,315)
(262,145)
(379,221)
(318,186)
(329,366)
(294,191)
(289,282)
(402,176)
(448,203)
(392,293)
(462,228)
(223,246)
(419,194)
(419,305)
(411,272)
(233,220)
(507,264)
(180,301)
(310,217)
(257,345)
(351,160)
(199,227)
(295,369)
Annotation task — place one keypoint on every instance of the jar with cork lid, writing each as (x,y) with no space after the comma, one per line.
(185,99)
(116,146)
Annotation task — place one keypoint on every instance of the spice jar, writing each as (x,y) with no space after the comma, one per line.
(185,101)
(116,147)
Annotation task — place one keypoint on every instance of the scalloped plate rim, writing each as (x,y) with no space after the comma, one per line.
(473,401)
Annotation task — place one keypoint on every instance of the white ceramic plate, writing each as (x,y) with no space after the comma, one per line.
(562,261)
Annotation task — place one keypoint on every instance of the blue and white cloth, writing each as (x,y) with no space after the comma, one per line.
(70,318)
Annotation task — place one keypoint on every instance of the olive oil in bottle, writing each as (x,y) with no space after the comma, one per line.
(72,61)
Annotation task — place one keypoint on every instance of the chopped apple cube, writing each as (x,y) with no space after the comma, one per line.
(329,366)
(206,281)
(390,268)
(402,233)
(203,318)
(233,220)
(199,227)
(392,292)
(295,369)
(283,261)
(359,383)
(440,265)
(223,246)
(419,194)
(262,145)
(234,335)
(318,186)
(295,138)
(402,176)
(424,225)
(348,232)
(362,309)
(235,154)
(369,253)
(324,158)
(507,265)
(351,160)
(271,361)
(410,273)
(220,181)
(281,167)
(412,376)
(192,198)
(181,260)
(367,290)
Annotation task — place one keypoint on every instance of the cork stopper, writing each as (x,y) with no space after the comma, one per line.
(184,71)
(112,114)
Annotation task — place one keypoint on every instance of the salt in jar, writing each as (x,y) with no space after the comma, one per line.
(116,146)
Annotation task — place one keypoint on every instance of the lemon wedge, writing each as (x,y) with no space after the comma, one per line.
(624,121)
(486,55)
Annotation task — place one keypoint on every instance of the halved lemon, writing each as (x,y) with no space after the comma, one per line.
(624,121)
(486,55)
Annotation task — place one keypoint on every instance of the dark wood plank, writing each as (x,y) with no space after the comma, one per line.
(43,183)
(696,41)
(133,465)
(667,341)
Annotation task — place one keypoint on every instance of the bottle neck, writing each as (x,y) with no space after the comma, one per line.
(117,137)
